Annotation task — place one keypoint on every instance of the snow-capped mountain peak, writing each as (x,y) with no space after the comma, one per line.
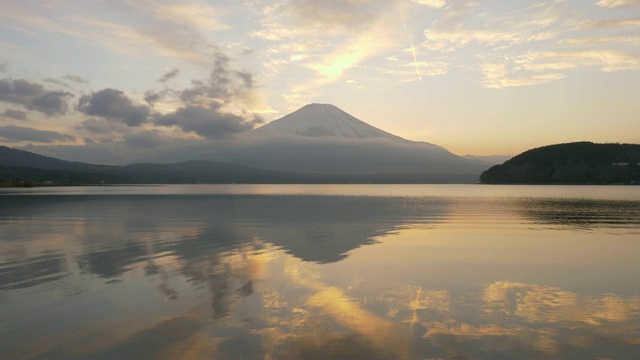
(321,120)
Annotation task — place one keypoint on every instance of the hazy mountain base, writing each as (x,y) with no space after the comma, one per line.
(573,163)
(167,174)
(22,168)
(357,158)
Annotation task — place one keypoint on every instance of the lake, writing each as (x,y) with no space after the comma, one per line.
(320,271)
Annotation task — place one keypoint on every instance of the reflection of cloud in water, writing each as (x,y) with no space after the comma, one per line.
(536,303)
(525,320)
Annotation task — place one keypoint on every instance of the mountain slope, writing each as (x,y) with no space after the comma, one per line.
(10,157)
(575,163)
(321,120)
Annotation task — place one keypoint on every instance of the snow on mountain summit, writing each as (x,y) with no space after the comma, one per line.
(321,120)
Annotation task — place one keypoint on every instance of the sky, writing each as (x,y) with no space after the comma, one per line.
(476,77)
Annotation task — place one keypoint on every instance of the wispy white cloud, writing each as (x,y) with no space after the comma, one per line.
(609,23)
(616,3)
(497,76)
(606,39)
(321,42)
(535,23)
(538,44)
(544,67)
(436,4)
(165,28)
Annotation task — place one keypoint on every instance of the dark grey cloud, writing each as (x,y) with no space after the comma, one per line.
(204,100)
(152,96)
(223,85)
(72,78)
(17,133)
(98,126)
(247,78)
(34,96)
(144,139)
(75,79)
(114,105)
(209,122)
(51,103)
(169,75)
(57,82)
(15,114)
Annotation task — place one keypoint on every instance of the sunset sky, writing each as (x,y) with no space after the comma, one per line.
(476,77)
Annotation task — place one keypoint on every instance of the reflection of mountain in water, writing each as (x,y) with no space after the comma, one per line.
(117,232)
(582,213)
(323,229)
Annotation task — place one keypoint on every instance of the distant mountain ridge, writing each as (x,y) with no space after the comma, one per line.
(19,167)
(572,163)
(489,160)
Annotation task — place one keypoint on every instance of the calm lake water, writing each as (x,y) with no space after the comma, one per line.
(328,271)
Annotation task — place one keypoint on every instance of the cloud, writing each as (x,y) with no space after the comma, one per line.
(337,16)
(623,22)
(330,38)
(587,40)
(436,4)
(333,65)
(115,105)
(537,44)
(33,96)
(57,82)
(175,30)
(616,3)
(103,126)
(209,122)
(75,79)
(543,67)
(15,114)
(151,97)
(224,85)
(535,23)
(17,133)
(213,108)
(169,75)
(4,66)
(145,139)
(497,76)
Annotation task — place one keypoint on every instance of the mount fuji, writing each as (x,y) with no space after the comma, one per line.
(321,120)
(325,142)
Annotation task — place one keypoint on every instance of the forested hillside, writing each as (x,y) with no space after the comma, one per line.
(572,163)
